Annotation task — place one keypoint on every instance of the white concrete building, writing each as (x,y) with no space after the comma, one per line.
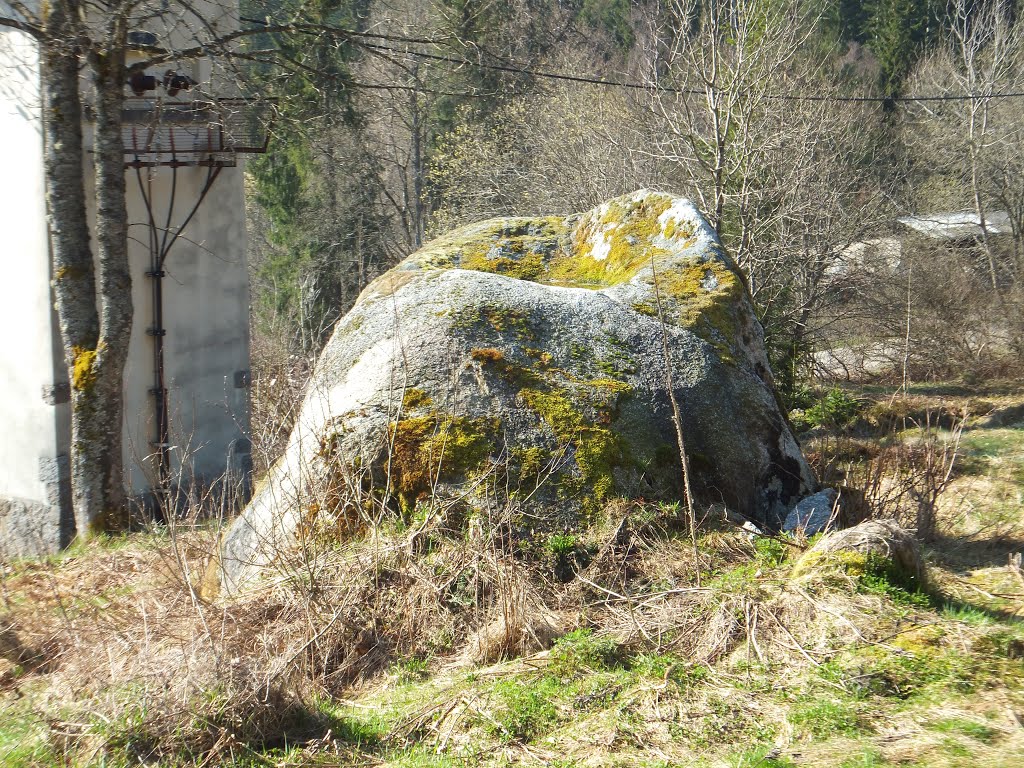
(186,382)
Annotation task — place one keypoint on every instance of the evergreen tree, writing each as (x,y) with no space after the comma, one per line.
(898,32)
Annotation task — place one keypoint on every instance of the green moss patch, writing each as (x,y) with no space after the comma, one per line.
(595,449)
(415,398)
(500,318)
(511,372)
(435,447)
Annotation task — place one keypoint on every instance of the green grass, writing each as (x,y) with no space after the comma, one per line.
(669,667)
(411,670)
(880,577)
(993,452)
(24,738)
(971,615)
(822,719)
(771,553)
(869,757)
(526,709)
(582,650)
(759,757)
(421,757)
(960,726)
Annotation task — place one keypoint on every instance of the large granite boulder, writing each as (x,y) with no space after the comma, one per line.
(524,362)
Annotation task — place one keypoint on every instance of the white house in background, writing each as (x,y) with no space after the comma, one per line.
(186,383)
(885,254)
(959,225)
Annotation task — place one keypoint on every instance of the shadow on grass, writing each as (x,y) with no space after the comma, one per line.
(964,554)
(941,389)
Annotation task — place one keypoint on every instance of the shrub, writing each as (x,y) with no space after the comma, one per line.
(582,649)
(834,409)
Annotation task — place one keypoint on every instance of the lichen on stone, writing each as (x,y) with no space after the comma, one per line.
(83,370)
(514,247)
(594,448)
(613,243)
(704,296)
(415,398)
(425,449)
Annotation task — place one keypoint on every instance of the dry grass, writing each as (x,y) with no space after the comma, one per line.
(470,640)
(135,669)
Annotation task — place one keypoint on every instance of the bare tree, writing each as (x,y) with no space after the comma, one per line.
(975,144)
(782,179)
(967,154)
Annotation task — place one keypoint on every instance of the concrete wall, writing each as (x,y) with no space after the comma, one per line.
(205,294)
(34,417)
(205,315)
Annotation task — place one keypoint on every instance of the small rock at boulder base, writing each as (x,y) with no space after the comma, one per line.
(522,364)
(885,540)
(813,514)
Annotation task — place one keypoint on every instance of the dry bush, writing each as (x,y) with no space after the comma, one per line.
(937,317)
(900,477)
(279,377)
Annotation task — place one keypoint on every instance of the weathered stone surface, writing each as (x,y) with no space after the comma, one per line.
(526,358)
(812,514)
(29,528)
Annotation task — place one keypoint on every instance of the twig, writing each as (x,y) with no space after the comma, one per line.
(691,514)
(1015,566)
(630,602)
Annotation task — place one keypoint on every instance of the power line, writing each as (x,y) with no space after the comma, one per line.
(361,38)
(613,83)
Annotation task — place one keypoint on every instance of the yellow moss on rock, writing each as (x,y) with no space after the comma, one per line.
(514,247)
(83,372)
(605,247)
(614,243)
(427,448)
(705,297)
(528,267)
(415,398)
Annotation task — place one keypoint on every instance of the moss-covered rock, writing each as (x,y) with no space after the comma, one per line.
(525,363)
(872,549)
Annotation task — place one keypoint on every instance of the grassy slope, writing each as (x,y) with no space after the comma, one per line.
(107,659)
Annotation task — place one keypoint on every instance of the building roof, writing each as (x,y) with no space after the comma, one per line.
(957,226)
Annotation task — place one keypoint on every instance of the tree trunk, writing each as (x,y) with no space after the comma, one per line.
(419,212)
(100,456)
(74,280)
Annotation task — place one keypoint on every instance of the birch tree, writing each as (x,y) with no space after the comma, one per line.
(93,296)
(92,282)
